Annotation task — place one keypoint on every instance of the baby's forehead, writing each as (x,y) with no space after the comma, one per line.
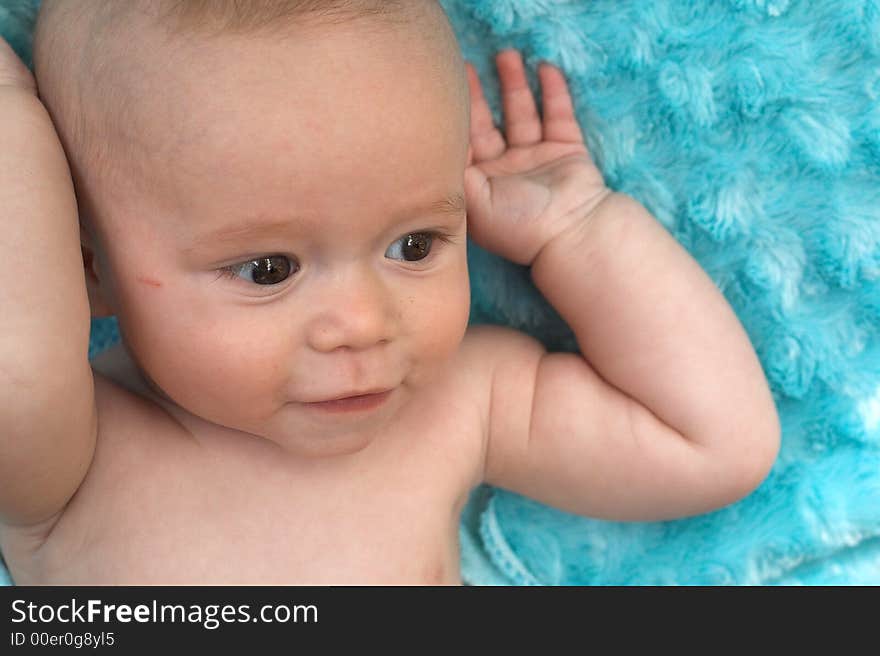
(126,107)
(96,23)
(132,50)
(126,42)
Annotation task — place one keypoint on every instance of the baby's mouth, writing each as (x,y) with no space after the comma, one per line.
(353,403)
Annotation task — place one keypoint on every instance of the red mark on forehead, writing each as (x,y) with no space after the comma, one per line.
(149,281)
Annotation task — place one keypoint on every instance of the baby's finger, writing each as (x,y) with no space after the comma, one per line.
(522,125)
(486,140)
(560,123)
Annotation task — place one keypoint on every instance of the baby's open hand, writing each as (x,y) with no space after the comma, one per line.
(525,190)
(13,72)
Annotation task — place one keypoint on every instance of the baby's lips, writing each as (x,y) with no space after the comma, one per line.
(347,395)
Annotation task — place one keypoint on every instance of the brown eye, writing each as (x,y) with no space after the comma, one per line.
(412,247)
(266,270)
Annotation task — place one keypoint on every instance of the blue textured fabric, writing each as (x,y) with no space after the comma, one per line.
(104,334)
(751,129)
(17,24)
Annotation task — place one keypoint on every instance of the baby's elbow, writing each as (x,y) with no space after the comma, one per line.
(757,447)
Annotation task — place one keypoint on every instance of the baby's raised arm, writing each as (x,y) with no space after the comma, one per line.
(666,412)
(47,409)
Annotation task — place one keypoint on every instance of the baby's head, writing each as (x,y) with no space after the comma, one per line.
(271,195)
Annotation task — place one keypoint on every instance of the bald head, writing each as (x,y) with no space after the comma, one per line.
(99,63)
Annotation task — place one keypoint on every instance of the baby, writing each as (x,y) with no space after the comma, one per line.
(274,199)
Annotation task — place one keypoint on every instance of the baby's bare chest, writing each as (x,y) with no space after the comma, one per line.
(165,511)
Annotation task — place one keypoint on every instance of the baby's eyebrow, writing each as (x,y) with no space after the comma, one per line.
(452,204)
(249,229)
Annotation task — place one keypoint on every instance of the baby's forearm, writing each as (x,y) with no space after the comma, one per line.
(42,285)
(653,324)
(46,393)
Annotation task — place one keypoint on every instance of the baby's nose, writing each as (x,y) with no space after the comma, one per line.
(352,311)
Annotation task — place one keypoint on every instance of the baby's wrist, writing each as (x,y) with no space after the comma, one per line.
(573,231)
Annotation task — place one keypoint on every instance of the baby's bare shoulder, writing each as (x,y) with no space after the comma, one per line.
(134,436)
(488,349)
(496,366)
(497,356)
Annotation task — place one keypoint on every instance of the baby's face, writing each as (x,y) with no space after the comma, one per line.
(286,242)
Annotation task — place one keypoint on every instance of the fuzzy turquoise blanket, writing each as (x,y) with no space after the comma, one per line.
(751,129)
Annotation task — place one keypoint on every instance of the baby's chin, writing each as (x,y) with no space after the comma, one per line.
(312,431)
(324,447)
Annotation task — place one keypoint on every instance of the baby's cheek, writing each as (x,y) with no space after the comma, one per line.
(440,319)
(225,369)
(237,369)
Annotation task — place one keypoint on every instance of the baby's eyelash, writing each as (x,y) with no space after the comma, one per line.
(436,234)
(288,265)
(226,272)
